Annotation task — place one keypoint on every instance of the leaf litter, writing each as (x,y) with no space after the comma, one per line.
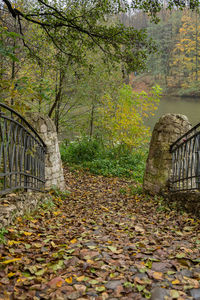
(97,243)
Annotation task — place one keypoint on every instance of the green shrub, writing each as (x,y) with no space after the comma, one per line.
(80,151)
(105,160)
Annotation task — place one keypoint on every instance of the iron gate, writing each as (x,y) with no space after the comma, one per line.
(186,161)
(22,153)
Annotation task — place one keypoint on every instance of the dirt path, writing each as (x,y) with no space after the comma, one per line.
(101,243)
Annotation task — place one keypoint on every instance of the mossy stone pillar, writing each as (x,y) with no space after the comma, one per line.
(45,127)
(159,162)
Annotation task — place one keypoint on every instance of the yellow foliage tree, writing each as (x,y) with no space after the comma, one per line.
(186,54)
(123,118)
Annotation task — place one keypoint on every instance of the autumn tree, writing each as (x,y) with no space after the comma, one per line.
(185,60)
(73,26)
(123,116)
(58,35)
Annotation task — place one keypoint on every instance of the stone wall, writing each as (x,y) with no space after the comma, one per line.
(158,167)
(16,205)
(188,201)
(53,165)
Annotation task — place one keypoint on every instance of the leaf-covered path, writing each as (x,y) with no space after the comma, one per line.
(101,242)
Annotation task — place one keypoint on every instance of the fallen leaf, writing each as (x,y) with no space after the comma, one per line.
(9,261)
(74,241)
(139,229)
(176,281)
(27,233)
(174,294)
(112,248)
(80,278)
(11,274)
(56,282)
(157,275)
(69,280)
(100,288)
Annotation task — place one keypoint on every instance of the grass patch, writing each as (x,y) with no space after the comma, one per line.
(117,161)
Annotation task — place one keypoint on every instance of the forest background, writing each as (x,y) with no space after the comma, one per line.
(85,88)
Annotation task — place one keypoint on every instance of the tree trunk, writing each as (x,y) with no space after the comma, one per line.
(58,93)
(92,120)
(13,71)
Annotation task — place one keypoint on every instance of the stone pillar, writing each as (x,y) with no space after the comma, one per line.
(53,164)
(159,162)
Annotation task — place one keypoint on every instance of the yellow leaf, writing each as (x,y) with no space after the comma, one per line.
(56,213)
(10,260)
(21,279)
(59,283)
(176,281)
(34,221)
(89,261)
(73,241)
(11,242)
(105,208)
(69,280)
(27,233)
(53,244)
(11,274)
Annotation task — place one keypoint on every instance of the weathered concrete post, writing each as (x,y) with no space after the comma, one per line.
(53,164)
(159,163)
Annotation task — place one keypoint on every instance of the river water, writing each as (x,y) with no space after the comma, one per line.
(187,106)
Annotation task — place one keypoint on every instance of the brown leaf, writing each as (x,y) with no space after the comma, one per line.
(56,282)
(157,275)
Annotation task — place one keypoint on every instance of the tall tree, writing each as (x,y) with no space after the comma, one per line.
(185,60)
(75,26)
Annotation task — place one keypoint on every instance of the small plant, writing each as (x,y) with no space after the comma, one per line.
(136,190)
(47,204)
(123,191)
(161,204)
(58,193)
(3,231)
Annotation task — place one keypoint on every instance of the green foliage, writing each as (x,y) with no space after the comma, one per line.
(80,151)
(7,50)
(100,159)
(3,231)
(75,26)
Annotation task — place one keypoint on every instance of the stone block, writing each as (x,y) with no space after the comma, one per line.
(43,128)
(159,161)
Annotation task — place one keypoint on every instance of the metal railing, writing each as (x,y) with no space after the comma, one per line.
(22,153)
(186,161)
